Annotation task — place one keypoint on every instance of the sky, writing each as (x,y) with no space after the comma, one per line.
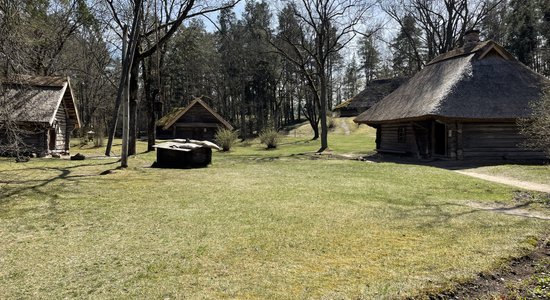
(376,15)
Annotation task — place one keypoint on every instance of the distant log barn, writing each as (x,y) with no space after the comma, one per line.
(373,93)
(41,111)
(196,121)
(463,104)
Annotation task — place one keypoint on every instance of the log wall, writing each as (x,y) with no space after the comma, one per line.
(61,126)
(34,138)
(198,114)
(495,140)
(389,139)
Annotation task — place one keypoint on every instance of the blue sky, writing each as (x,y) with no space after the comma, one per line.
(376,15)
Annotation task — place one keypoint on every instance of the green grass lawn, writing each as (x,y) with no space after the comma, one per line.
(533,173)
(255,224)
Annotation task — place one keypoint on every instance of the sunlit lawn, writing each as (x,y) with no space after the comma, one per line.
(254,224)
(533,173)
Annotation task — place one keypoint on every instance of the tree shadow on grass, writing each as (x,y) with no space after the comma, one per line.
(448,164)
(15,186)
(433,215)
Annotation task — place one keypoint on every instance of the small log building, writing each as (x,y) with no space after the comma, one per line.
(197,121)
(375,91)
(463,104)
(42,110)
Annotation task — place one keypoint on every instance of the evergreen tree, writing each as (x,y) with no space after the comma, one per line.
(260,64)
(229,47)
(291,82)
(493,26)
(370,58)
(407,58)
(350,83)
(191,64)
(545,32)
(523,30)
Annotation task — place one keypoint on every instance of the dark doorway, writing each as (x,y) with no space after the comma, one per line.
(378,140)
(53,137)
(198,134)
(422,138)
(440,139)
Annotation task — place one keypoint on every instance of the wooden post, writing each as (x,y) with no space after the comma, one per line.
(128,57)
(125,105)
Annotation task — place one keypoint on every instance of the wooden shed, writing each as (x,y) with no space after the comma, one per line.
(463,104)
(42,109)
(196,121)
(375,91)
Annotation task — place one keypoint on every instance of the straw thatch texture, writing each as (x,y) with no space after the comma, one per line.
(36,99)
(40,110)
(375,91)
(484,83)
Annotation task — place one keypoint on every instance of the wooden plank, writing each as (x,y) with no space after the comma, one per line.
(194,125)
(459,141)
(508,154)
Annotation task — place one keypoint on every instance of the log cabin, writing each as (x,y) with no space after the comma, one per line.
(196,121)
(464,104)
(42,110)
(374,91)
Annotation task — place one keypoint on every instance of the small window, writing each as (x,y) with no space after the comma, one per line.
(402,134)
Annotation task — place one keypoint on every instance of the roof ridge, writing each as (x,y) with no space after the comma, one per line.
(35,80)
(461,51)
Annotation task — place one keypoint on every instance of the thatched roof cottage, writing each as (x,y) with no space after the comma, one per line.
(463,104)
(375,91)
(43,112)
(196,121)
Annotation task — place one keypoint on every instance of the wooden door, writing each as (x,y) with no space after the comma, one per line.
(52,139)
(440,138)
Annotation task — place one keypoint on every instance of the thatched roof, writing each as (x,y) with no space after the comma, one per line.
(169,116)
(375,91)
(483,82)
(36,99)
(175,114)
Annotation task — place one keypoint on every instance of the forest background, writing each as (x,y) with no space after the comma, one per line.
(260,64)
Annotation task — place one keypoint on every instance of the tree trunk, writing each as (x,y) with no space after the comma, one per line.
(243,122)
(323,112)
(134,87)
(152,120)
(315,127)
(146,69)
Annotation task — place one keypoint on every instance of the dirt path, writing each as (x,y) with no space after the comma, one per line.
(539,187)
(522,278)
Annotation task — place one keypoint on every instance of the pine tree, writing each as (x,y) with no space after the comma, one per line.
(523,30)
(351,79)
(407,58)
(370,58)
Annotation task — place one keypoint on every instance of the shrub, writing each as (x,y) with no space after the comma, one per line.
(537,127)
(269,137)
(99,139)
(226,138)
(331,123)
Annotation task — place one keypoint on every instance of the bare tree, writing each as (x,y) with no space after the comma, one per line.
(12,136)
(442,22)
(537,127)
(33,40)
(161,19)
(327,27)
